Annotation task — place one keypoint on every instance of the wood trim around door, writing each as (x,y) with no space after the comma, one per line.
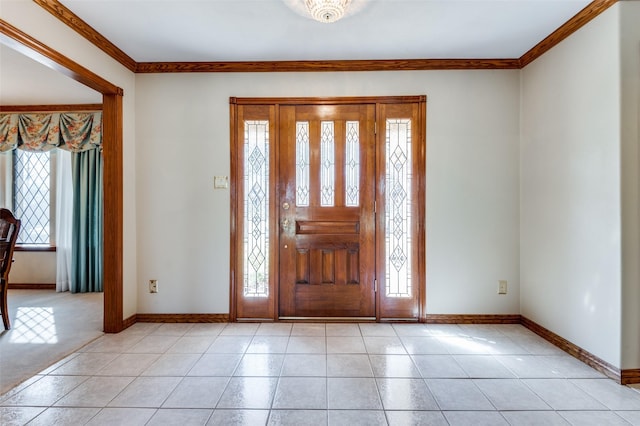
(411,305)
(269,309)
(113,321)
(259,308)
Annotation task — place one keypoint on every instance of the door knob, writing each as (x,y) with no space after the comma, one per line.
(285,206)
(285,224)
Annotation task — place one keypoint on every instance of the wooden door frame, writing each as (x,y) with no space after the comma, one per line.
(236,204)
(395,309)
(112,118)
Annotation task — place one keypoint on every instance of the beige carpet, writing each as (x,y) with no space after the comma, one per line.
(45,327)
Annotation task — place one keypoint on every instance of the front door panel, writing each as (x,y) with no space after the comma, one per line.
(326,183)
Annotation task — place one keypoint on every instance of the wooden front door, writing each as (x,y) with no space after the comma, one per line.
(328,208)
(326,183)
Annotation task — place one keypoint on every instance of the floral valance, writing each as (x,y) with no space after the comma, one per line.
(71,131)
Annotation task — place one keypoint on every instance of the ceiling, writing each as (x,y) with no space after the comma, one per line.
(274,30)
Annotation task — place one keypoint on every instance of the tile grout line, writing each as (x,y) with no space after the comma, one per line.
(566,377)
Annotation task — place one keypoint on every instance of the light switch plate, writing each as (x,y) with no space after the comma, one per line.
(221,182)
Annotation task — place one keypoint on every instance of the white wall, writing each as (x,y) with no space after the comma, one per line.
(182,141)
(570,262)
(33,267)
(44,27)
(630,160)
(556,238)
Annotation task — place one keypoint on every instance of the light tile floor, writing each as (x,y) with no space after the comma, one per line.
(320,374)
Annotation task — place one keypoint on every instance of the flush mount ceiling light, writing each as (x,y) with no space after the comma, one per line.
(327,11)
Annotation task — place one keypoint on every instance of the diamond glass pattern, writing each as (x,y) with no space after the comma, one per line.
(327,164)
(352,165)
(398,208)
(256,208)
(302,163)
(32,201)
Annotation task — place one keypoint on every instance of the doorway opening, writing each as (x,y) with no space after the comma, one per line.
(112,135)
(328,208)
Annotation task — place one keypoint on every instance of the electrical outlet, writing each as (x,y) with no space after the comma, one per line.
(153,286)
(502,287)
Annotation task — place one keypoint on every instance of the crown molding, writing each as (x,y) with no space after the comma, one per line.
(592,10)
(32,48)
(331,66)
(74,22)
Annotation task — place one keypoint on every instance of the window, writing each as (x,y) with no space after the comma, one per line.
(33,196)
(399,203)
(256,213)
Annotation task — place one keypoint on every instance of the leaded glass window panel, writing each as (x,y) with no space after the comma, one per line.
(256,208)
(302,163)
(398,208)
(31,196)
(327,164)
(352,165)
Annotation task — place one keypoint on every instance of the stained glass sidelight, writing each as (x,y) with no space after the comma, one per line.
(302,163)
(327,164)
(398,208)
(31,200)
(256,208)
(352,165)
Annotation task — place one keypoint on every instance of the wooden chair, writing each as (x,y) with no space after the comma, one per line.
(9,228)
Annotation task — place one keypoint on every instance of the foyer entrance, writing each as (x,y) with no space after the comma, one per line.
(327,209)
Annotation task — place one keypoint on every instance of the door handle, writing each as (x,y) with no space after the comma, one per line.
(285,224)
